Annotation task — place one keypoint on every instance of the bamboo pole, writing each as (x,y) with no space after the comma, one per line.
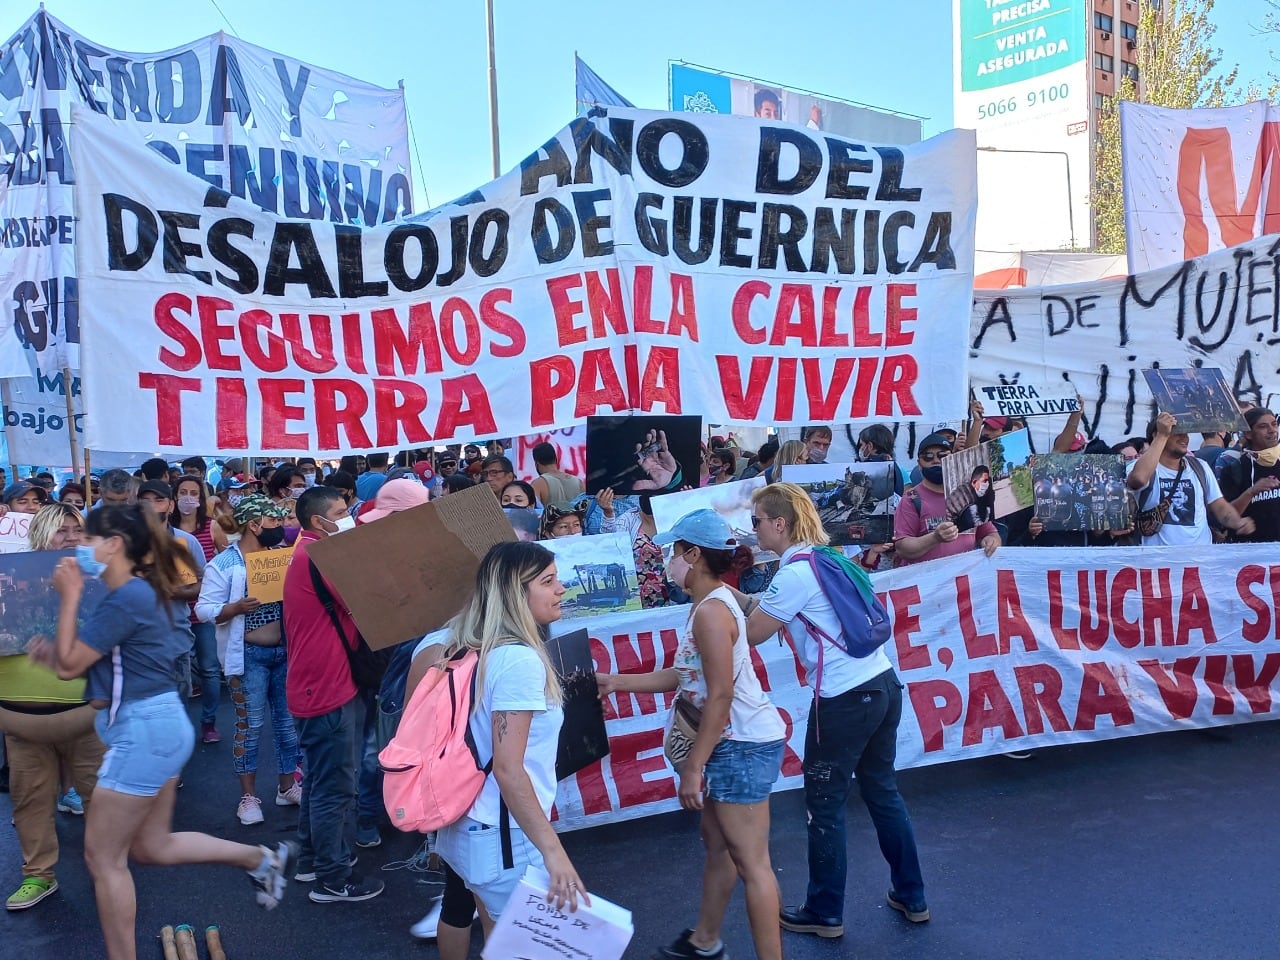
(71,419)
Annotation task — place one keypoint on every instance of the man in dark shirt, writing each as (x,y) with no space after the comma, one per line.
(1251,482)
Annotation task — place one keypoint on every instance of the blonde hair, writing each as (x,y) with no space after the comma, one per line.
(498,612)
(48,521)
(788,454)
(792,504)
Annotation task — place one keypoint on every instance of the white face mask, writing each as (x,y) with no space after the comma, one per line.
(339,526)
(234,498)
(310,478)
(817,456)
(678,570)
(982,488)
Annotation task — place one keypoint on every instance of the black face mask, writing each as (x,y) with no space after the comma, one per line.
(271,536)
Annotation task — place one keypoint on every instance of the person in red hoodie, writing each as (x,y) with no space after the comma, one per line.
(324,700)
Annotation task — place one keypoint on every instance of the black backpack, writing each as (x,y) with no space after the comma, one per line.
(368,666)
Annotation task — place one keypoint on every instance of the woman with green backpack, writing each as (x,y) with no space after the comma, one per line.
(853,724)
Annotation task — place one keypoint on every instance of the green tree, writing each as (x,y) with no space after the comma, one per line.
(1179,67)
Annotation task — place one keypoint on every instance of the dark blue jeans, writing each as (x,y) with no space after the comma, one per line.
(856,733)
(369,805)
(210,671)
(328,745)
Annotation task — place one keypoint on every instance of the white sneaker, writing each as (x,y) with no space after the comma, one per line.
(289,798)
(249,810)
(425,929)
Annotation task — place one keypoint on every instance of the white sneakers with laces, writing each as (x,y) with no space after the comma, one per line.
(249,810)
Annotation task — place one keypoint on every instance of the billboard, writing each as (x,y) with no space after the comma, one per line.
(698,90)
(1021,80)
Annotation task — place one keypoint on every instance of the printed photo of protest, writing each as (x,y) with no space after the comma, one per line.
(989,481)
(1198,396)
(731,500)
(597,572)
(29,604)
(525,521)
(583,740)
(1078,491)
(855,500)
(642,454)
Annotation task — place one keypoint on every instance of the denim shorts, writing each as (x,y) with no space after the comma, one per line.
(147,746)
(742,772)
(474,851)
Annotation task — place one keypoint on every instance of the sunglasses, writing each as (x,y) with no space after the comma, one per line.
(756,521)
(932,457)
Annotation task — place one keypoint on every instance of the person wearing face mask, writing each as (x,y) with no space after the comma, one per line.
(818,441)
(1251,482)
(130,653)
(250,645)
(191,516)
(284,488)
(325,701)
(921,530)
(310,472)
(728,766)
(974,503)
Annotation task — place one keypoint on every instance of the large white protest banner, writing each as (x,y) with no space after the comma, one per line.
(1026,649)
(725,267)
(1219,310)
(287,136)
(1196,181)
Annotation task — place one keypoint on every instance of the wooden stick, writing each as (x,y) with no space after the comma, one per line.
(88,484)
(213,940)
(186,940)
(167,943)
(71,419)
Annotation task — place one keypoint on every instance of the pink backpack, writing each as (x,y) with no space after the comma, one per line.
(431,769)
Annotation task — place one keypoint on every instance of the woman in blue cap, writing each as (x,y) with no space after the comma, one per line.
(726,739)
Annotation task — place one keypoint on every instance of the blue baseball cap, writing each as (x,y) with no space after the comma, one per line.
(701,528)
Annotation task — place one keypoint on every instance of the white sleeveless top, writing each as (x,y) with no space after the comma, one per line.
(752,718)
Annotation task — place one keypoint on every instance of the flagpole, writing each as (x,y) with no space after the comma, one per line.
(71,420)
(493,91)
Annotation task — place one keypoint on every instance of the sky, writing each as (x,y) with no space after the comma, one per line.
(889,53)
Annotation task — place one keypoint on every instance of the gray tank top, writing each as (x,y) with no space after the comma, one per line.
(561,487)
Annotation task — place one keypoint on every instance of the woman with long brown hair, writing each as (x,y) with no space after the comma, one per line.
(129,649)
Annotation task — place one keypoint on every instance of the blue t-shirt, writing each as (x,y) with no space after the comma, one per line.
(141,646)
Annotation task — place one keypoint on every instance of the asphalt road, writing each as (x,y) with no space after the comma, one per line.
(1151,847)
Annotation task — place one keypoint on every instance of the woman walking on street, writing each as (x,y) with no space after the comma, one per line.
(515,720)
(250,636)
(130,650)
(726,739)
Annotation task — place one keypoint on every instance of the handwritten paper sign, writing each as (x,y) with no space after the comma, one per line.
(1027,399)
(532,929)
(265,573)
(13,532)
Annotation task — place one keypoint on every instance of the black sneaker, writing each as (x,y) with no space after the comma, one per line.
(307,874)
(682,949)
(354,890)
(915,912)
(801,920)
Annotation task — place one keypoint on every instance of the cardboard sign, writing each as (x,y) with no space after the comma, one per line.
(1079,491)
(13,532)
(532,929)
(1027,399)
(1198,396)
(406,574)
(264,571)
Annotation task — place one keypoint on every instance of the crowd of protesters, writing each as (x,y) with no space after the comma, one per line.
(84,713)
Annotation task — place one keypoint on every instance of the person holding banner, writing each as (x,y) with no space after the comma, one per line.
(251,642)
(730,756)
(516,720)
(49,731)
(852,727)
(921,530)
(130,652)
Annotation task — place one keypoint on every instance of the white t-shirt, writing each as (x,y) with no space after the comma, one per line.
(752,718)
(1187,522)
(515,679)
(795,590)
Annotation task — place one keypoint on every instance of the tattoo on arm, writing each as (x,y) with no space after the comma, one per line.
(500,724)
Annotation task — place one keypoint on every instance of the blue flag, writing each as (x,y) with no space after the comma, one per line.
(593,91)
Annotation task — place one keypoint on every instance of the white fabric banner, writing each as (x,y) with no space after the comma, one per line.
(1027,649)
(1220,310)
(295,139)
(637,262)
(1196,181)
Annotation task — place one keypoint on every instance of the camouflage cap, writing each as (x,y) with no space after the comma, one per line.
(255,507)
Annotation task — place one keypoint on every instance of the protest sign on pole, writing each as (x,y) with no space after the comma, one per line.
(1026,649)
(1220,310)
(637,262)
(285,135)
(1198,180)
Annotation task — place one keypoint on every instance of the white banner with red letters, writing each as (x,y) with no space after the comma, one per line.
(737,269)
(1027,649)
(1196,181)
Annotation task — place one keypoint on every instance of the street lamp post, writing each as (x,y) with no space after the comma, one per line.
(1071,217)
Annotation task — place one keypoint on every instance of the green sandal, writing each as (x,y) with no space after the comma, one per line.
(32,891)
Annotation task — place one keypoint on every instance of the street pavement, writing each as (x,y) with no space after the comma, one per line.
(1153,847)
